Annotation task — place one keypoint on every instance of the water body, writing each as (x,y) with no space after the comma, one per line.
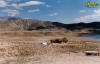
(92,36)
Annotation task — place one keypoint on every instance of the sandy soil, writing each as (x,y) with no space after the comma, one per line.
(47,54)
(66,59)
(61,59)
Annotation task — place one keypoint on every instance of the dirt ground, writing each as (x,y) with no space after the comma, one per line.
(28,49)
(61,59)
(69,59)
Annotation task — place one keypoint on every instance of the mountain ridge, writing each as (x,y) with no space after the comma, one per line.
(17,24)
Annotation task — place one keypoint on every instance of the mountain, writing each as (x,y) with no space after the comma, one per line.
(8,18)
(19,24)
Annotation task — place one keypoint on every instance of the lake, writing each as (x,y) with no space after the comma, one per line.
(92,36)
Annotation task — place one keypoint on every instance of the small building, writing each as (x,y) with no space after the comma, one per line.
(91,53)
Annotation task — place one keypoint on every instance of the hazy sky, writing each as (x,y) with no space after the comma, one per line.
(66,11)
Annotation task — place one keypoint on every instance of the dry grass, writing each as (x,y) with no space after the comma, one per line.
(31,34)
(18,46)
(75,47)
(31,49)
(17,50)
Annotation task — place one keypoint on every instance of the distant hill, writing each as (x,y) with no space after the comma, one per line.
(8,18)
(17,24)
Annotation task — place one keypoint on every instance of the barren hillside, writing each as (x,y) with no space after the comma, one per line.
(18,24)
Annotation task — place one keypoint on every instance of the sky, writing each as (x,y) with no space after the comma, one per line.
(65,11)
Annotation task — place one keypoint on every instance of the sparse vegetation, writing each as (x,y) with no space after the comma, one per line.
(76,47)
(18,50)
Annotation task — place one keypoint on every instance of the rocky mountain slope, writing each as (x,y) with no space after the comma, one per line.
(16,24)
